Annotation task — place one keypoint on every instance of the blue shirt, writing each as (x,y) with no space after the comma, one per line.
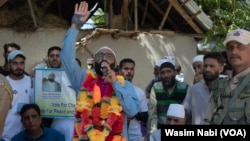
(49,134)
(125,94)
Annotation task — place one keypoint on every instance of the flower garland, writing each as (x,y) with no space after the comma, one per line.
(99,111)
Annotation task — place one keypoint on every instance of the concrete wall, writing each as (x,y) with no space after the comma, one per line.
(145,50)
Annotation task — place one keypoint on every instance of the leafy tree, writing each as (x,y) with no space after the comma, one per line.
(99,18)
(226,15)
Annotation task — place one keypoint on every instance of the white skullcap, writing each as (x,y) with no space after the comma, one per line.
(170,59)
(159,62)
(240,35)
(105,47)
(176,110)
(198,58)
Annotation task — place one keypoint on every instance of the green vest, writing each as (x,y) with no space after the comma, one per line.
(238,111)
(164,98)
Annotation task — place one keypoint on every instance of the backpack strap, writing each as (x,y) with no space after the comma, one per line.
(218,88)
(236,92)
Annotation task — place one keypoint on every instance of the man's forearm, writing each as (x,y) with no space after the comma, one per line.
(127,99)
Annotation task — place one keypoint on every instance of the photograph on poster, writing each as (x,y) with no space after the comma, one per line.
(53,93)
(50,83)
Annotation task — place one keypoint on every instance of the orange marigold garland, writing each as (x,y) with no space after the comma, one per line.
(99,111)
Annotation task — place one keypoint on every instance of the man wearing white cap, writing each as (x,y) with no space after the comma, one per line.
(158,63)
(198,68)
(175,116)
(98,90)
(167,91)
(170,59)
(22,94)
(197,99)
(157,77)
(233,93)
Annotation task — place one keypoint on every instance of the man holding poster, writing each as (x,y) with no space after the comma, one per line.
(57,105)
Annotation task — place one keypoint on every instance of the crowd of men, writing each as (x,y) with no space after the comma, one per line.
(110,107)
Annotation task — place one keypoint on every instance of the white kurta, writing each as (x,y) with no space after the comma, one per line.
(196,102)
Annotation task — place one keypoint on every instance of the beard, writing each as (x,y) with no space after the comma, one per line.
(17,72)
(129,77)
(168,83)
(55,64)
(208,76)
(98,67)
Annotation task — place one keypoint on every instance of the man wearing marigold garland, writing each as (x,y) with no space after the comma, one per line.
(105,100)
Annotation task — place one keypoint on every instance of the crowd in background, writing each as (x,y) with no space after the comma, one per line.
(110,107)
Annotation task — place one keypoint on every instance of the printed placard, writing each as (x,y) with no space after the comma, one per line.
(53,93)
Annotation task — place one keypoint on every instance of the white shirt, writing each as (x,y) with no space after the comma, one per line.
(155,136)
(197,101)
(134,129)
(22,94)
(49,86)
(180,77)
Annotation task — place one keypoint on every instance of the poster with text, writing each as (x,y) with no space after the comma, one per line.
(53,93)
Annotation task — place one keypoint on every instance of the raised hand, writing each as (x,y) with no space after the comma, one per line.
(80,16)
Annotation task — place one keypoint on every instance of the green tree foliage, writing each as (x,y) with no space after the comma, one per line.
(99,18)
(226,15)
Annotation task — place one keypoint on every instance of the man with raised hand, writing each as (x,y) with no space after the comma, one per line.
(110,98)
